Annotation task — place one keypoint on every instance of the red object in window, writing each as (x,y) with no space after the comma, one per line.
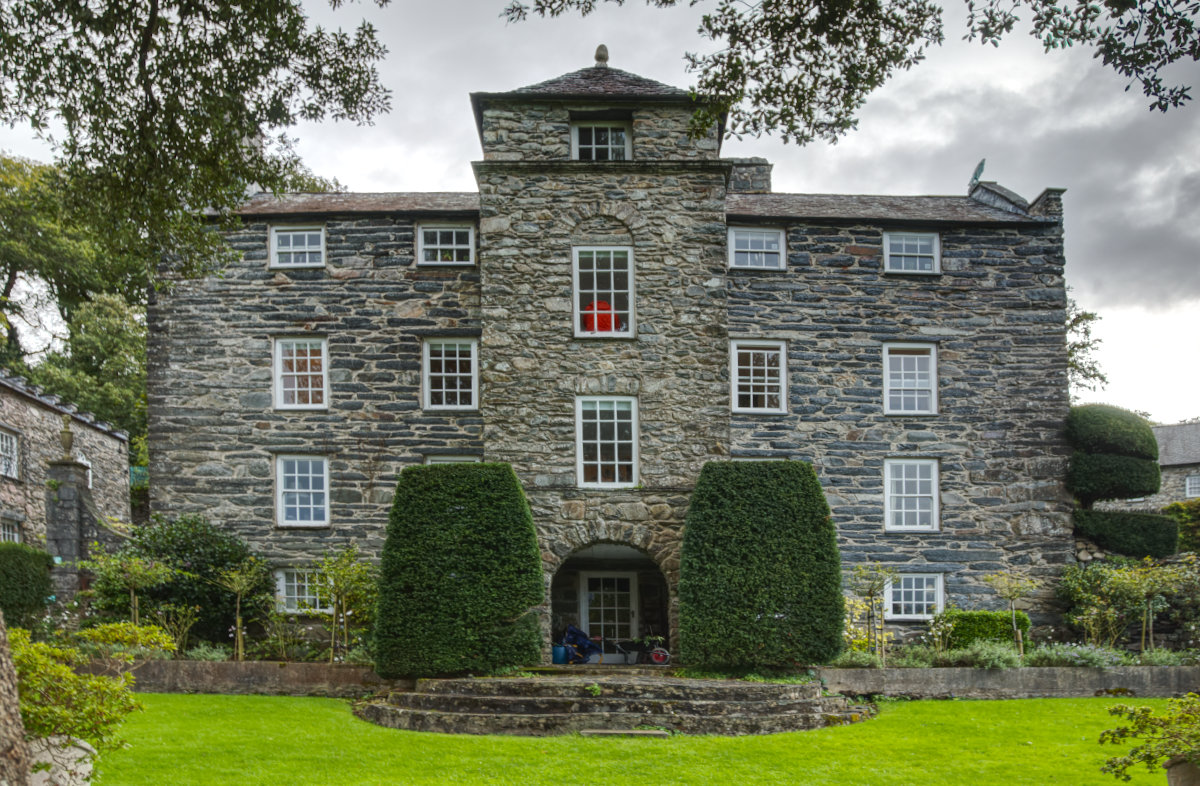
(599,317)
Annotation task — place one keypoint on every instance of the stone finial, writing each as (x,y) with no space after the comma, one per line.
(602,55)
(66,437)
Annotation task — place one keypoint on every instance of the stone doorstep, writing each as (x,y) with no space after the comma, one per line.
(623,733)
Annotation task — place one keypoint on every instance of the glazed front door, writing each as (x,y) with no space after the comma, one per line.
(608,606)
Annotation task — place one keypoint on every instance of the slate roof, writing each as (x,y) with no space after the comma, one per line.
(20,385)
(859,207)
(389,202)
(1178,444)
(599,81)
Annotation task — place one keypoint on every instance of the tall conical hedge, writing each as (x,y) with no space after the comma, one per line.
(460,572)
(1116,454)
(760,574)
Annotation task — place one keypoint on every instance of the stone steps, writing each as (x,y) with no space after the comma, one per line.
(540,706)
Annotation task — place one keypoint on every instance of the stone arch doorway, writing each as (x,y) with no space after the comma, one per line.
(613,591)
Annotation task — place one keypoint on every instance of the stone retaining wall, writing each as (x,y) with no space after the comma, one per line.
(1025,683)
(268,678)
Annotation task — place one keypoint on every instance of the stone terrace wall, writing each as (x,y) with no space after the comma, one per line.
(996,316)
(518,131)
(38,425)
(213,432)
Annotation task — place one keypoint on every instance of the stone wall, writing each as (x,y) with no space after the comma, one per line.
(995,314)
(36,419)
(214,432)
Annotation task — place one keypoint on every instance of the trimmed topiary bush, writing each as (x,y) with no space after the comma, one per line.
(200,551)
(1099,428)
(1130,534)
(969,627)
(1116,455)
(25,586)
(760,576)
(460,571)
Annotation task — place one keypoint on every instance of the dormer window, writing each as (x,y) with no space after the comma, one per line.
(601,141)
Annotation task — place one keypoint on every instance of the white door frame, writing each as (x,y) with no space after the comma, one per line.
(633,596)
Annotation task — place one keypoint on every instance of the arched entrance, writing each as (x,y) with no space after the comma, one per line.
(611,591)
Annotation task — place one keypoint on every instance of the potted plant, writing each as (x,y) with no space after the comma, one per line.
(1172,739)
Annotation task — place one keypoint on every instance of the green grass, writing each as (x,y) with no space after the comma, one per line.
(191,739)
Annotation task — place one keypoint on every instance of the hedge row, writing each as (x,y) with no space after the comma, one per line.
(25,586)
(760,576)
(972,626)
(460,572)
(1131,534)
(1187,513)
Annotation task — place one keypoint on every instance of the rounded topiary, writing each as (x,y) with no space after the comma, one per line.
(460,572)
(1099,428)
(760,575)
(1116,454)
(1129,533)
(25,586)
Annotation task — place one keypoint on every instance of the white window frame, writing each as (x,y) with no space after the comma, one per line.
(736,347)
(624,125)
(273,247)
(578,308)
(906,348)
(290,604)
(277,372)
(1191,486)
(10,454)
(780,238)
(451,458)
(430,226)
(939,596)
(426,389)
(935,257)
(890,466)
(10,531)
(281,493)
(581,402)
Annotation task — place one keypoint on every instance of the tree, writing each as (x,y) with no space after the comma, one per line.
(804,69)
(1115,455)
(102,368)
(173,107)
(1083,370)
(242,581)
(14,754)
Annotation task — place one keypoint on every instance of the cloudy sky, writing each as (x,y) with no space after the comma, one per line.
(1040,120)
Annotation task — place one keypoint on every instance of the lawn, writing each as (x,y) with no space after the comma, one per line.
(199,739)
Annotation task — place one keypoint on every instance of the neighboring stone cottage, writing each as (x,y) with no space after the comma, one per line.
(616,306)
(31,421)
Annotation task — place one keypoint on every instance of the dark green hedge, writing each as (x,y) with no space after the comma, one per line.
(1096,476)
(200,551)
(972,626)
(1130,534)
(1099,428)
(460,571)
(25,586)
(1187,513)
(760,576)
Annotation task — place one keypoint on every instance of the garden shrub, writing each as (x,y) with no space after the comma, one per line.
(760,576)
(983,654)
(967,627)
(25,586)
(200,552)
(913,656)
(1161,657)
(1187,514)
(1116,454)
(857,659)
(460,571)
(1127,533)
(1074,655)
(1100,428)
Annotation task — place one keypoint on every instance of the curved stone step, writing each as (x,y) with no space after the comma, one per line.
(540,705)
(623,687)
(546,724)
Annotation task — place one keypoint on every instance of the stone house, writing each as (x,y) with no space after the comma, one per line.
(615,306)
(30,423)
